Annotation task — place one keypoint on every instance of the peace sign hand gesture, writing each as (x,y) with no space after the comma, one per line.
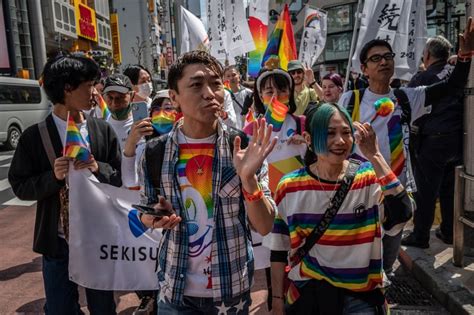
(248,161)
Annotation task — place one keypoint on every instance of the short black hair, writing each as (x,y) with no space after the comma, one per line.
(280,82)
(193,57)
(133,73)
(67,71)
(373,43)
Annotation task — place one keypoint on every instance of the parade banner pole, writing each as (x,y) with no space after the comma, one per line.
(353,42)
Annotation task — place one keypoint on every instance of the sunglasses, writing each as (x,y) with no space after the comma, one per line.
(298,71)
(377,58)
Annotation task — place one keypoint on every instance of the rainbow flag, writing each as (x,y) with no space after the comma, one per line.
(163,120)
(258,25)
(249,117)
(282,41)
(227,86)
(75,146)
(104,109)
(275,114)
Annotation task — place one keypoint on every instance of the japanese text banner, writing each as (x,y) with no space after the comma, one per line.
(402,23)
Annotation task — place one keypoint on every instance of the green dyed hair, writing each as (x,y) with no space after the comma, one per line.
(317,125)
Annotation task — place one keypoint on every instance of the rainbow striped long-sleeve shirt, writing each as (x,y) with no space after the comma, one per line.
(349,254)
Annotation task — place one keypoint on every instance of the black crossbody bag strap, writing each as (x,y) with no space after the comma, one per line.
(235,100)
(47,144)
(329,215)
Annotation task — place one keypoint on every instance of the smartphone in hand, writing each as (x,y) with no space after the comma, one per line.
(148,209)
(139,110)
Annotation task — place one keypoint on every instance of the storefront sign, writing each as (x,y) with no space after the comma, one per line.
(85,21)
(114,28)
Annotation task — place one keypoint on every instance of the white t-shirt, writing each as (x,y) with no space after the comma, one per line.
(130,166)
(240,97)
(121,128)
(393,138)
(231,119)
(195,178)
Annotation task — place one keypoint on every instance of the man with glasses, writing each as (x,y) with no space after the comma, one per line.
(306,86)
(377,64)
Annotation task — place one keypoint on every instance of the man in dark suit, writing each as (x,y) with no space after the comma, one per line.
(38,172)
(437,149)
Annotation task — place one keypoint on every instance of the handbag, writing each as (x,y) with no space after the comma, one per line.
(289,287)
(64,191)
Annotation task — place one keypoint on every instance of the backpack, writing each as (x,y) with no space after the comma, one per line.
(353,108)
(155,152)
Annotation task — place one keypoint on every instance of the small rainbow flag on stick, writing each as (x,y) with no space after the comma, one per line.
(250,117)
(75,146)
(104,110)
(275,114)
(163,120)
(227,86)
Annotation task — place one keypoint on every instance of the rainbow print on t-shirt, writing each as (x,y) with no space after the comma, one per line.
(350,234)
(193,158)
(395,136)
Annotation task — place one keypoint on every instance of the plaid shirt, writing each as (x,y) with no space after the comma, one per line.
(232,262)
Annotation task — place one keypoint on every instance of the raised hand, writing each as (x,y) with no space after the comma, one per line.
(248,161)
(366,139)
(466,40)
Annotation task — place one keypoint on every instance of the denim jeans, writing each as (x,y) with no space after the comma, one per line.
(206,306)
(62,296)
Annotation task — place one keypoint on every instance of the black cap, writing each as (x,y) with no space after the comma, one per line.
(118,83)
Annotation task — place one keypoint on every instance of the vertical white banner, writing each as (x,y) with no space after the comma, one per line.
(313,38)
(402,23)
(239,38)
(217,29)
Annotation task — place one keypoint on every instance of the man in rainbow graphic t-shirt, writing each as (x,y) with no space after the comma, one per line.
(215,190)
(392,129)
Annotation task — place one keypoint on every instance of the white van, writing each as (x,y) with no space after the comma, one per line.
(22,104)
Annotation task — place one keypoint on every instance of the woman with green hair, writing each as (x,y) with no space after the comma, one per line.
(340,270)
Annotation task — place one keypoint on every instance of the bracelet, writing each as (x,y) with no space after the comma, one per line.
(387,179)
(277,297)
(391,185)
(312,83)
(464,57)
(256,196)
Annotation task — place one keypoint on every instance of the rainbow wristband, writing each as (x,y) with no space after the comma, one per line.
(391,185)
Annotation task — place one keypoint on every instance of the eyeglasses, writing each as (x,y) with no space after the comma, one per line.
(376,58)
(297,71)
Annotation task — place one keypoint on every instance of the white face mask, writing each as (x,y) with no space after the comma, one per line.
(145,89)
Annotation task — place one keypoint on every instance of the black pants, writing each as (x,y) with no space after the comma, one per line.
(321,298)
(436,158)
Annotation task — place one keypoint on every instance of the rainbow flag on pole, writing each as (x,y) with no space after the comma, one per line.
(282,41)
(275,114)
(75,146)
(104,110)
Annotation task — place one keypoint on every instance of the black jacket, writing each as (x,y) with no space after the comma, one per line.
(32,178)
(447,111)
